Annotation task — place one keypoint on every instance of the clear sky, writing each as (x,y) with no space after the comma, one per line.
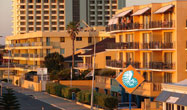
(5,19)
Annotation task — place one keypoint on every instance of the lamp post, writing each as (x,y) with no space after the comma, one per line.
(93,74)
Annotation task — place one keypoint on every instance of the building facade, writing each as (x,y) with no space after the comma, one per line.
(54,15)
(100,11)
(150,38)
(27,51)
(173,96)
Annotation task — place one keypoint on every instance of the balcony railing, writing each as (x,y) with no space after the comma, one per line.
(150,65)
(121,64)
(55,44)
(85,66)
(25,55)
(158,65)
(157,45)
(131,26)
(128,45)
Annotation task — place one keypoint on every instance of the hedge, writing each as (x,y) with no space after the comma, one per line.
(102,100)
(60,90)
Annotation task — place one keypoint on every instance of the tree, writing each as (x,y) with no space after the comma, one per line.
(73,30)
(54,61)
(9,101)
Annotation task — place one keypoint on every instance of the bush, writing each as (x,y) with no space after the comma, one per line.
(67,92)
(54,88)
(107,72)
(111,102)
(104,101)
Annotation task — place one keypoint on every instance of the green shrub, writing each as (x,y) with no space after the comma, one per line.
(54,88)
(102,100)
(111,102)
(107,72)
(67,92)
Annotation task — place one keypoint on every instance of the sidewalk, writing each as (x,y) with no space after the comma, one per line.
(57,102)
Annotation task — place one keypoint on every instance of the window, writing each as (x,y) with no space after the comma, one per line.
(108,58)
(22,1)
(38,6)
(48,51)
(46,1)
(30,1)
(38,1)
(120,38)
(167,77)
(77,49)
(30,6)
(53,1)
(78,38)
(62,39)
(62,51)
(89,39)
(46,6)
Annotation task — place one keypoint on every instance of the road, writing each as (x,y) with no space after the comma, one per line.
(43,98)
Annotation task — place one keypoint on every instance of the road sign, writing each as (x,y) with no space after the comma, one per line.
(42,71)
(130,79)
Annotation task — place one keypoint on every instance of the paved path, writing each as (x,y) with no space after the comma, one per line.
(58,102)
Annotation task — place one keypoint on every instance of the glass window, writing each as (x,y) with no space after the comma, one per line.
(78,38)
(89,39)
(62,51)
(62,39)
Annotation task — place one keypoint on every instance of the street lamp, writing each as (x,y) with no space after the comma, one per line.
(93,74)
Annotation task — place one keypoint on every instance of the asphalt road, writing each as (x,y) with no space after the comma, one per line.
(29,103)
(44,98)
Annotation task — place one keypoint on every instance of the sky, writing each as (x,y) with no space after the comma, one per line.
(5,19)
(143,2)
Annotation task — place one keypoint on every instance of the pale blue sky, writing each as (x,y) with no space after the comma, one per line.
(5,19)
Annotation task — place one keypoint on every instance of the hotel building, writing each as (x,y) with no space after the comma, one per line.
(152,39)
(54,15)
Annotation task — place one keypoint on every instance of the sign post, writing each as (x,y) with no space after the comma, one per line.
(130,79)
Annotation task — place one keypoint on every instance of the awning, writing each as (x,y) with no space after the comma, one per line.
(141,11)
(172,97)
(113,21)
(123,13)
(163,9)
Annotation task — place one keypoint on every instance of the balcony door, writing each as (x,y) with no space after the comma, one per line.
(129,38)
(167,37)
(120,38)
(168,17)
(146,39)
(168,60)
(167,77)
(147,57)
(146,20)
(121,56)
(129,57)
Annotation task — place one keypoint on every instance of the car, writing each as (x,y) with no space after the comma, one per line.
(125,105)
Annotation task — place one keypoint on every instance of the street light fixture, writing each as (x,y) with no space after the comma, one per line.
(93,73)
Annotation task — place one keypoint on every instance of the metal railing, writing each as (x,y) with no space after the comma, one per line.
(136,25)
(127,45)
(158,65)
(157,45)
(82,65)
(121,64)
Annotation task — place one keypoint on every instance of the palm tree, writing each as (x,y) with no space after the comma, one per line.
(73,30)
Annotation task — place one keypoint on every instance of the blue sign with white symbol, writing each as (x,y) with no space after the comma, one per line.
(128,79)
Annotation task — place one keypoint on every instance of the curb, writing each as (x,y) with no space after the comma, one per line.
(78,103)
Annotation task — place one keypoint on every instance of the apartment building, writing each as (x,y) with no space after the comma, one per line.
(100,11)
(27,51)
(152,39)
(54,15)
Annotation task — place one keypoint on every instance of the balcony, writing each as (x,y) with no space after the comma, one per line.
(19,66)
(83,66)
(128,45)
(159,65)
(121,64)
(26,56)
(137,26)
(156,66)
(148,89)
(157,45)
(33,44)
